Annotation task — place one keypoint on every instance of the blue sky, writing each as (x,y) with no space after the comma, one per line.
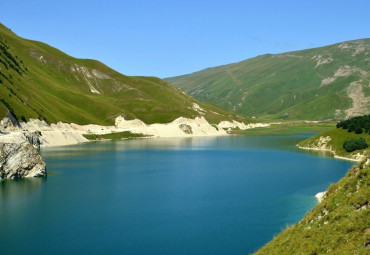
(168,38)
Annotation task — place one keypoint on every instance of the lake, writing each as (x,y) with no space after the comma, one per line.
(218,195)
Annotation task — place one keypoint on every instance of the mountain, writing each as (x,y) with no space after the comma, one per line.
(41,82)
(331,82)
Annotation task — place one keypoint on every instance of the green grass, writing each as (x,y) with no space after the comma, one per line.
(39,81)
(114,136)
(288,129)
(338,137)
(270,86)
(340,224)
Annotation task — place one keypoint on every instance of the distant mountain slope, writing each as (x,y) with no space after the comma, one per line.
(330,82)
(39,81)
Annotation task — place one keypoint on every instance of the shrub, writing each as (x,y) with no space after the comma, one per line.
(355,144)
(358,130)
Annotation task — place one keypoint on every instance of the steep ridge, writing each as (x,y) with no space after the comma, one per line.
(40,82)
(331,82)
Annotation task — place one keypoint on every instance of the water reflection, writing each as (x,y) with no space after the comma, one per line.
(15,188)
(322,154)
(19,191)
(79,150)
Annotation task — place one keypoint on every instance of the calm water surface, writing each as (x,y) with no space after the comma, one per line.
(225,195)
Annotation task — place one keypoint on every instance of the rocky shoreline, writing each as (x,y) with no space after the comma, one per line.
(358,157)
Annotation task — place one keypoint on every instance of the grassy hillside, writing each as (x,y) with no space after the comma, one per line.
(338,137)
(340,224)
(330,82)
(39,81)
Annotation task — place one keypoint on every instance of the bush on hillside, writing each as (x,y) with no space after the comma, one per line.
(355,144)
(358,130)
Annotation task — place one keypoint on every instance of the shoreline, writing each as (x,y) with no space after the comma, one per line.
(320,196)
(359,159)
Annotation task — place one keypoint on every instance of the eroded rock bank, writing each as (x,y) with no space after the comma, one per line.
(70,133)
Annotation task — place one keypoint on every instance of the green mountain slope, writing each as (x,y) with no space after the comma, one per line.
(39,81)
(322,83)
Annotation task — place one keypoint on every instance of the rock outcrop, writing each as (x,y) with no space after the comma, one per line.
(19,160)
(33,138)
(320,196)
(186,128)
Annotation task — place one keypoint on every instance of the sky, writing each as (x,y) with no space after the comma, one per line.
(169,38)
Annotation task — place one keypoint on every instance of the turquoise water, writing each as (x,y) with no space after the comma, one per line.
(225,195)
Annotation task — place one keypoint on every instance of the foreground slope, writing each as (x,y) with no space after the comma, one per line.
(330,82)
(38,81)
(340,224)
